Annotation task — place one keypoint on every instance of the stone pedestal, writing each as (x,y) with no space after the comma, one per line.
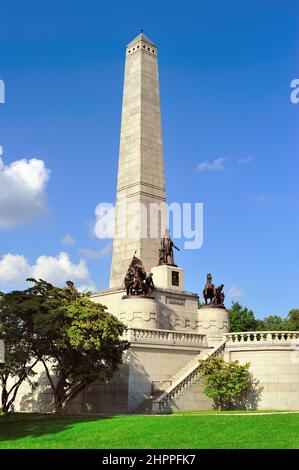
(168,277)
(213,322)
(139,312)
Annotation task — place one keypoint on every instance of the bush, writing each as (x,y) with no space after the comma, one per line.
(225,382)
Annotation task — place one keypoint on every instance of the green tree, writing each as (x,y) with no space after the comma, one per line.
(293,319)
(273,323)
(19,363)
(241,318)
(225,382)
(77,340)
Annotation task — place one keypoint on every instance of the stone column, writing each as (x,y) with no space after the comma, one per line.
(213,322)
(139,312)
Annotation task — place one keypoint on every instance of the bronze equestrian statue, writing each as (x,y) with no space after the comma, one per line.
(214,294)
(209,289)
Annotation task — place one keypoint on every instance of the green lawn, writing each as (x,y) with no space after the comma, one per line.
(170,431)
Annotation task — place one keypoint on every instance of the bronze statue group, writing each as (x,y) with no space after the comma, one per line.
(138,282)
(214,294)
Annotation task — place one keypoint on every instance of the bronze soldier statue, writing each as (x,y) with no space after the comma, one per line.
(218,300)
(149,284)
(129,281)
(136,281)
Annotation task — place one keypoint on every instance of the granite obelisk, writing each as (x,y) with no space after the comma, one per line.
(140,182)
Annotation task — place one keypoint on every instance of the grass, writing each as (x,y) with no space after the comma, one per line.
(29,431)
(224,412)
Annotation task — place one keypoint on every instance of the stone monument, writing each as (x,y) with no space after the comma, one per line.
(167,331)
(141,183)
(140,180)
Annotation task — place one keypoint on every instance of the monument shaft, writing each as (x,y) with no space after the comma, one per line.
(141,182)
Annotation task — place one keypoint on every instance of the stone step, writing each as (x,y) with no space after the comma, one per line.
(184,369)
(146,406)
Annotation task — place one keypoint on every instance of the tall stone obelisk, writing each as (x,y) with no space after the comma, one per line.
(141,181)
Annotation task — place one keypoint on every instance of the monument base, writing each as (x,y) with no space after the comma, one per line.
(213,322)
(168,277)
(139,311)
(176,309)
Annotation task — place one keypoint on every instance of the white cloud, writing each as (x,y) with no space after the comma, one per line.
(234,292)
(216,165)
(58,270)
(68,240)
(245,160)
(104,224)
(14,269)
(22,191)
(105,251)
(1,150)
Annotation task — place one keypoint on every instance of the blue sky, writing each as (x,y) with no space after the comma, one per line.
(225,70)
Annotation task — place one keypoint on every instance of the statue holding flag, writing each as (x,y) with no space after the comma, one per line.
(136,281)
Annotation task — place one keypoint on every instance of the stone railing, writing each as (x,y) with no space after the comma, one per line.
(182,338)
(261,337)
(162,403)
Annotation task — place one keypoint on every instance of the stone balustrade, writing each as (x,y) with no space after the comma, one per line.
(164,337)
(261,337)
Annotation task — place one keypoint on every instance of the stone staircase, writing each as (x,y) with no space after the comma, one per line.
(160,400)
(188,366)
(163,403)
(146,406)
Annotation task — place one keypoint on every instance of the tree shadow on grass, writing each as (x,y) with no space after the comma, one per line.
(19,425)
